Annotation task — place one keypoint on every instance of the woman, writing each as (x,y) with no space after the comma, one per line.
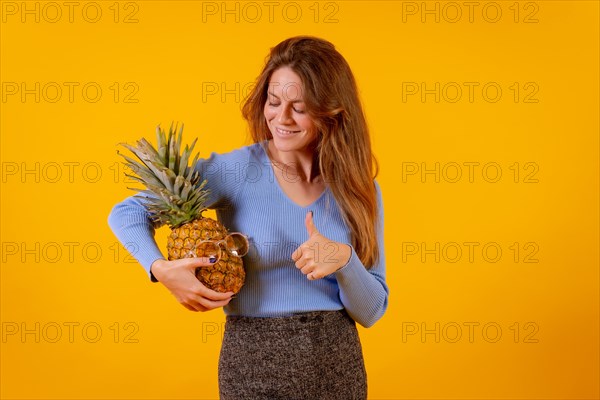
(305,194)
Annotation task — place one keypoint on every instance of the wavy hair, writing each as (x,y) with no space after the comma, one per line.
(343,146)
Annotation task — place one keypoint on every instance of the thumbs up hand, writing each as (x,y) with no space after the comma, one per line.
(319,256)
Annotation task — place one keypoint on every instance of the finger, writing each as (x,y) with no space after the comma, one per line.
(213,294)
(203,262)
(195,302)
(310,224)
(307,269)
(195,262)
(209,304)
(188,307)
(297,254)
(301,263)
(193,305)
(315,275)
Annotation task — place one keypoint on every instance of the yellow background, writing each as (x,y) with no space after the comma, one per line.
(170,57)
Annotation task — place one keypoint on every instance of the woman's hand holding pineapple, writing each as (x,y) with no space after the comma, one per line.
(179,276)
(319,256)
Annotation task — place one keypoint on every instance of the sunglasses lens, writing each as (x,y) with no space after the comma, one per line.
(210,250)
(237,244)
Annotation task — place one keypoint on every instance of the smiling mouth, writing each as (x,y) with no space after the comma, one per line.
(285,131)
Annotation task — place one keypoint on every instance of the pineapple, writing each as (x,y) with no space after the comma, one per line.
(177,199)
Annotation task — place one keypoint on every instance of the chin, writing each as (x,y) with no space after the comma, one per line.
(285,146)
(289,145)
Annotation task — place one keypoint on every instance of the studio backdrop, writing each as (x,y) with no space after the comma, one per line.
(484,121)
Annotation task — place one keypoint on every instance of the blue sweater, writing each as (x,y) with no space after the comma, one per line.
(247,198)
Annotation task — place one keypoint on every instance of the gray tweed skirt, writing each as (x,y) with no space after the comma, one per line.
(315,355)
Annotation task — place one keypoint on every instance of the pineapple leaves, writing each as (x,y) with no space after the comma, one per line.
(187,187)
(179,181)
(176,165)
(166,171)
(192,173)
(172,149)
(162,146)
(185,157)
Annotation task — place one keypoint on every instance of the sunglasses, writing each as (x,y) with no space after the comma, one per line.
(235,244)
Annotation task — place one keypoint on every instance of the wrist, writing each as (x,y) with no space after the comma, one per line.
(345,255)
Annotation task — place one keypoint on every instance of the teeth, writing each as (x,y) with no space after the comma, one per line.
(286,132)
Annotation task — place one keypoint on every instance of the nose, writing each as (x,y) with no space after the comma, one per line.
(285,115)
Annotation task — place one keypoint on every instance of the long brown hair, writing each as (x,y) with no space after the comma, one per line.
(343,145)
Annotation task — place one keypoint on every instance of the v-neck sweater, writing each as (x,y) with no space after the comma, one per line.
(247,198)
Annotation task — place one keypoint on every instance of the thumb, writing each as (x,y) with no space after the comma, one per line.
(310,224)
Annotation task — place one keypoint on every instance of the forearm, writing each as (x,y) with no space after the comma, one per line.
(364,293)
(131,224)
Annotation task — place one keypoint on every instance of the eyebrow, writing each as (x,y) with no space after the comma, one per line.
(277,97)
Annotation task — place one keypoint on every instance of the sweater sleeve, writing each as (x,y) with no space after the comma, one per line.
(132,224)
(364,292)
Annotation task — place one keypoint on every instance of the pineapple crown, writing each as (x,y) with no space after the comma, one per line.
(178,194)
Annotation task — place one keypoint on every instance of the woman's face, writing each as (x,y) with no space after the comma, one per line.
(291,126)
